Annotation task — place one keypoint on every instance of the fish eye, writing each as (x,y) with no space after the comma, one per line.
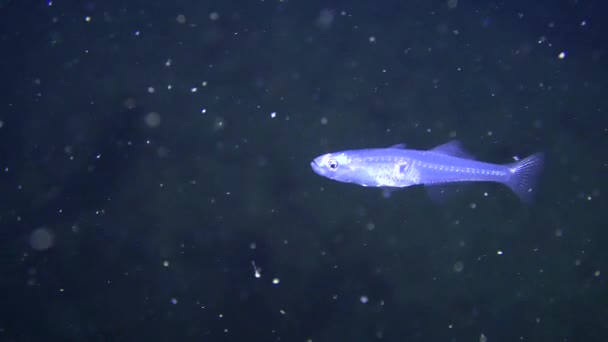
(333,164)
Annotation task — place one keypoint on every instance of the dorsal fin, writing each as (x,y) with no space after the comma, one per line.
(402,146)
(452,148)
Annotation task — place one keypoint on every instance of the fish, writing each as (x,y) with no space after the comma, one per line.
(397,167)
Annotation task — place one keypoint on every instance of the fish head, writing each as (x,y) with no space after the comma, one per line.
(329,165)
(337,166)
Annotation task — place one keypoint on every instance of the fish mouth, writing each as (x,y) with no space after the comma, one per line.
(317,168)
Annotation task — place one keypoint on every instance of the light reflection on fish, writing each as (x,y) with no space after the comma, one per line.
(398,167)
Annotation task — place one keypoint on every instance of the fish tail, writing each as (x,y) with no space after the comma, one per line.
(524,176)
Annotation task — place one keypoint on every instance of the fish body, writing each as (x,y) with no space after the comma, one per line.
(398,167)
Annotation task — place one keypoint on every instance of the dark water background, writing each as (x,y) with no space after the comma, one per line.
(154,156)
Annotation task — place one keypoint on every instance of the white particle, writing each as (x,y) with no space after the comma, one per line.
(273,115)
(323,121)
(193,89)
(372,39)
(214,16)
(168,62)
(173,301)
(276,281)
(42,239)
(151,90)
(597,273)
(363,299)
(499,252)
(203,110)
(257,272)
(562,55)
(87,19)
(152,119)
(166,263)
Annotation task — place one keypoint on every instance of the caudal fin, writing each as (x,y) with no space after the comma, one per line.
(524,176)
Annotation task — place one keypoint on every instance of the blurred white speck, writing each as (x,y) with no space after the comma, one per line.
(370,226)
(276,281)
(325,19)
(584,23)
(473,205)
(173,301)
(252,246)
(181,19)
(483,338)
(562,55)
(168,62)
(372,39)
(218,124)
(152,119)
(485,194)
(364,299)
(166,263)
(597,273)
(137,33)
(489,133)
(282,312)
(87,19)
(458,266)
(323,121)
(1,123)
(559,233)
(214,16)
(203,111)
(452,4)
(257,272)
(499,252)
(42,239)
(193,89)
(273,115)
(151,90)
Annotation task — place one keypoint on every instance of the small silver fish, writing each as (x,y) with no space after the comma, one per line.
(398,167)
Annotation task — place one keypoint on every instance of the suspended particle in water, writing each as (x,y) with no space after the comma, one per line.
(152,119)
(42,239)
(458,266)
